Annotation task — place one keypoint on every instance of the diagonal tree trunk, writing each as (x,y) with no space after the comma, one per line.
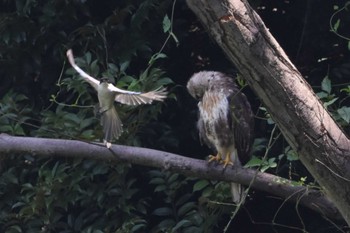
(322,146)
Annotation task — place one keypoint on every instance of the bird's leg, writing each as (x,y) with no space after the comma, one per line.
(215,158)
(228,160)
(107,144)
(102,110)
(98,111)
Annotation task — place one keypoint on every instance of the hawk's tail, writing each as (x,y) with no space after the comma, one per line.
(237,190)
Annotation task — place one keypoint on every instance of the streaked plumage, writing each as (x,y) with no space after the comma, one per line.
(225,121)
(108,93)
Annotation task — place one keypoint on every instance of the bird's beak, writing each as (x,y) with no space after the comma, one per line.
(102,80)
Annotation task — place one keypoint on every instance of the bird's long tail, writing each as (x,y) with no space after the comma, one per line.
(112,125)
(237,190)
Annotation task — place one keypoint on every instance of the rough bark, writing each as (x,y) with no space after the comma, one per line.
(301,195)
(322,146)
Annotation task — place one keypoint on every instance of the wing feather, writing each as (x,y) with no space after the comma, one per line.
(137,98)
(122,96)
(242,123)
(91,80)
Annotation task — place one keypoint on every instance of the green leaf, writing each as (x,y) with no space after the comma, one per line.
(207,191)
(157,180)
(138,226)
(124,65)
(344,113)
(18,130)
(328,103)
(6,129)
(94,68)
(166,224)
(88,57)
(271,160)
(326,85)
(186,208)
(54,169)
(159,55)
(160,188)
(292,155)
(86,122)
(100,169)
(163,211)
(166,24)
(18,204)
(14,229)
(264,168)
(200,185)
(173,177)
(175,39)
(27,186)
(347,4)
(253,162)
(164,81)
(98,231)
(322,94)
(336,25)
(180,224)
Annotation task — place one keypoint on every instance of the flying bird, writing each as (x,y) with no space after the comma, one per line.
(225,122)
(107,93)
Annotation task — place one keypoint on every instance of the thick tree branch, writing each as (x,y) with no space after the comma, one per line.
(313,199)
(322,146)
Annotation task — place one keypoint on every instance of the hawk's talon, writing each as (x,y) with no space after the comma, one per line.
(228,160)
(214,158)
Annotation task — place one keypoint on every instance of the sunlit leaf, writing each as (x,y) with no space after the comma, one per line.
(326,85)
(166,24)
(328,103)
(253,162)
(344,113)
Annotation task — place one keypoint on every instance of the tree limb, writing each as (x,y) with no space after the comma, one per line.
(313,199)
(308,127)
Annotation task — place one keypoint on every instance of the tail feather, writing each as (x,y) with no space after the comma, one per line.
(112,125)
(237,190)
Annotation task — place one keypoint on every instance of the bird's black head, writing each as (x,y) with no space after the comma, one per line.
(104,80)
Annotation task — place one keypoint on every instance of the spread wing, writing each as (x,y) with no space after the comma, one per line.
(93,82)
(122,96)
(242,119)
(137,98)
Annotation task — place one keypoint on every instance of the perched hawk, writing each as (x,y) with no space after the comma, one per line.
(107,93)
(225,121)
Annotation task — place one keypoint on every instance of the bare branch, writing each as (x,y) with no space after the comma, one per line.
(313,199)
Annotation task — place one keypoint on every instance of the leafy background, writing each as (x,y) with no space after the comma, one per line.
(142,45)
